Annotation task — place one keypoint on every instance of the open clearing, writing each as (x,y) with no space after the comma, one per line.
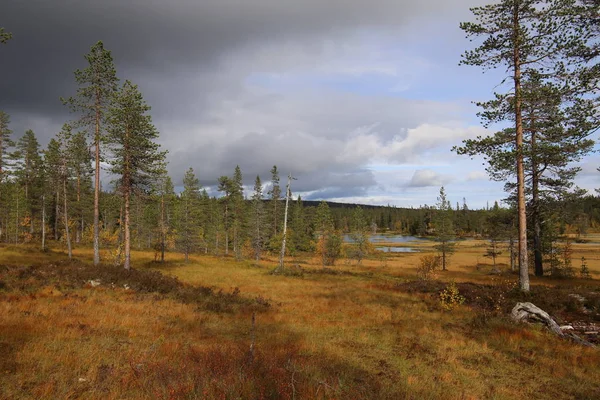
(347,332)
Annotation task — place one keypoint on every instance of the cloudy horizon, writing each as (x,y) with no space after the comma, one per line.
(361,102)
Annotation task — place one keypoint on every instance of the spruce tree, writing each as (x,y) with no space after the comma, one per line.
(238,211)
(444,228)
(299,237)
(5,144)
(53,163)
(257,218)
(329,245)
(28,170)
(98,84)
(136,157)
(359,233)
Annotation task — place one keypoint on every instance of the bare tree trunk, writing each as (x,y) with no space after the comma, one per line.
(444,257)
(162,229)
(287,199)
(226,232)
(57,214)
(523,257)
(43,222)
(97,185)
(66,218)
(79,232)
(17,221)
(127,233)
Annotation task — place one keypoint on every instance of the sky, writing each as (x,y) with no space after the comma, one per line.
(360,101)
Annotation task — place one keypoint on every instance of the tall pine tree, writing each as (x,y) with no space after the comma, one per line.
(521,35)
(137,160)
(98,84)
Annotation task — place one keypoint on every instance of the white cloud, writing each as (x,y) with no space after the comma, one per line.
(428,177)
(477,176)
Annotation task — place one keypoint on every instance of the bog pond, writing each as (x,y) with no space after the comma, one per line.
(392,243)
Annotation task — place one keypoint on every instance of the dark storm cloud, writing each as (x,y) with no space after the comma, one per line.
(50,37)
(191,58)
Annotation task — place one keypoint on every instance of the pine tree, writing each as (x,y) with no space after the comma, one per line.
(191,226)
(98,85)
(137,160)
(524,36)
(555,135)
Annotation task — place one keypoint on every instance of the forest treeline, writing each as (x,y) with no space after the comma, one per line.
(48,194)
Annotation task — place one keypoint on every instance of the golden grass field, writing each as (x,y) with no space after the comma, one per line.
(348,332)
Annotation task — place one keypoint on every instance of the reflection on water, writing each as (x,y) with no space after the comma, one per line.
(388,239)
(380,239)
(388,249)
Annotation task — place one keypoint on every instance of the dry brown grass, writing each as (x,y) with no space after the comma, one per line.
(350,332)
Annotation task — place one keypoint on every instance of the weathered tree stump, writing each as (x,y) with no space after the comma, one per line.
(528,312)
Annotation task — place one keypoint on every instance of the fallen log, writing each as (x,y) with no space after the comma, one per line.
(529,312)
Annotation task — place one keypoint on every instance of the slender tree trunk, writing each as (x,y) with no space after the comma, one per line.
(186,233)
(226,232)
(127,232)
(138,222)
(162,228)
(17,220)
(523,257)
(287,200)
(257,244)
(444,256)
(56,214)
(43,222)
(79,232)
(97,185)
(66,219)
(235,240)
(275,216)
